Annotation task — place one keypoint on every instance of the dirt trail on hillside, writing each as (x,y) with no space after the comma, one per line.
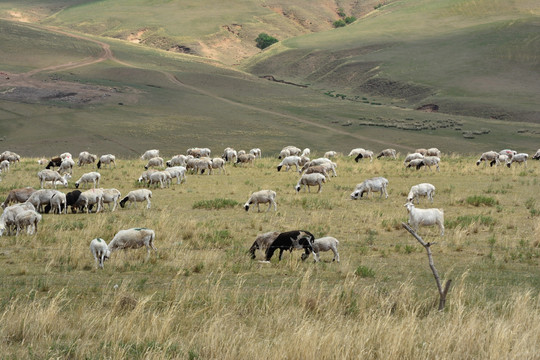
(26,80)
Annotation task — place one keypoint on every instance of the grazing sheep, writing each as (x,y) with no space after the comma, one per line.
(262,242)
(160,177)
(245,159)
(4,165)
(296,239)
(92,177)
(415,163)
(508,152)
(489,156)
(421,151)
(65,177)
(433,152)
(256,152)
(230,155)
(100,251)
(262,197)
(283,154)
(364,154)
(290,161)
(425,217)
(66,166)
(154,162)
(54,162)
(376,184)
(424,189)
(326,163)
(241,152)
(85,158)
(18,196)
(356,151)
(58,203)
(108,159)
(537,155)
(429,161)
(324,244)
(177,160)
(310,180)
(319,169)
(203,164)
(179,172)
(89,198)
(145,176)
(7,219)
(291,151)
(149,154)
(10,156)
(330,154)
(218,163)
(135,196)
(27,219)
(306,152)
(411,157)
(520,158)
(72,198)
(50,175)
(388,153)
(66,155)
(111,196)
(133,239)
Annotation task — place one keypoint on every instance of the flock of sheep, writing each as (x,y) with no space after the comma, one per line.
(29,203)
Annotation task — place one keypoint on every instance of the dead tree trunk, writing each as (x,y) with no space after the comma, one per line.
(442,292)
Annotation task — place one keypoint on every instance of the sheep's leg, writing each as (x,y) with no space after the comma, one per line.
(258,209)
(275,205)
(269,206)
(318,191)
(148,203)
(280,253)
(336,255)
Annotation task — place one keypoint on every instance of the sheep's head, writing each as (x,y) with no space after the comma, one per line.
(246,205)
(77,185)
(297,188)
(409,205)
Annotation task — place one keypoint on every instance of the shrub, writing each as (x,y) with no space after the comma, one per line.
(478,200)
(264,40)
(339,23)
(350,19)
(215,204)
(364,271)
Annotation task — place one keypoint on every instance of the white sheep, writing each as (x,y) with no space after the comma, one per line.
(363,154)
(133,239)
(10,156)
(376,184)
(41,198)
(66,155)
(161,178)
(107,159)
(91,177)
(433,152)
(7,219)
(293,150)
(310,180)
(203,164)
(218,163)
(230,155)
(179,172)
(90,197)
(145,176)
(356,151)
(262,197)
(425,217)
(177,160)
(111,196)
(149,154)
(256,152)
(263,241)
(323,244)
(327,163)
(520,158)
(289,161)
(508,152)
(65,177)
(330,154)
(415,163)
(537,155)
(423,189)
(50,175)
(430,161)
(245,159)
(306,152)
(135,196)
(421,151)
(18,196)
(100,251)
(58,203)
(412,156)
(241,152)
(27,219)
(154,162)
(388,153)
(4,165)
(489,156)
(320,169)
(85,158)
(66,166)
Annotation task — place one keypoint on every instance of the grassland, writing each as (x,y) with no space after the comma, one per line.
(201,296)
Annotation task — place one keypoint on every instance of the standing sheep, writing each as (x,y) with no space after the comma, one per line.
(150,154)
(520,158)
(27,219)
(92,177)
(262,197)
(376,184)
(424,189)
(85,158)
(135,196)
(18,196)
(154,162)
(425,217)
(489,156)
(310,180)
(324,244)
(50,175)
(296,239)
(388,153)
(133,239)
(100,251)
(262,242)
(108,159)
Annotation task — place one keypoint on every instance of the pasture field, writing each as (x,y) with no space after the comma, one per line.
(202,297)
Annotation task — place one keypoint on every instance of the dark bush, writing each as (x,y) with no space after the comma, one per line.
(264,40)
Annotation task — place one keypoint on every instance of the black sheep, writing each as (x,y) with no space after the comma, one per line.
(55,161)
(299,239)
(71,199)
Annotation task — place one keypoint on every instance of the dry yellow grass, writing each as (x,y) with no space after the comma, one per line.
(203,297)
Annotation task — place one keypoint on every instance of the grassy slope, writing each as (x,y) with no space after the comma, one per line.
(202,294)
(478,59)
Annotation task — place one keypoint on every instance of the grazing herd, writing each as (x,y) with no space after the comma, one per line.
(22,207)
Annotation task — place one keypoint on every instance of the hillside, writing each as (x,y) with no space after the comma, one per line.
(63,90)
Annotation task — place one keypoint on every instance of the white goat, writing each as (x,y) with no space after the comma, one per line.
(324,244)
(161,178)
(66,177)
(230,155)
(58,203)
(92,177)
(219,163)
(178,172)
(149,154)
(27,219)
(262,197)
(177,160)
(90,197)
(310,180)
(424,189)
(376,184)
(41,198)
(256,151)
(50,175)
(100,251)
(135,196)
(133,239)
(425,217)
